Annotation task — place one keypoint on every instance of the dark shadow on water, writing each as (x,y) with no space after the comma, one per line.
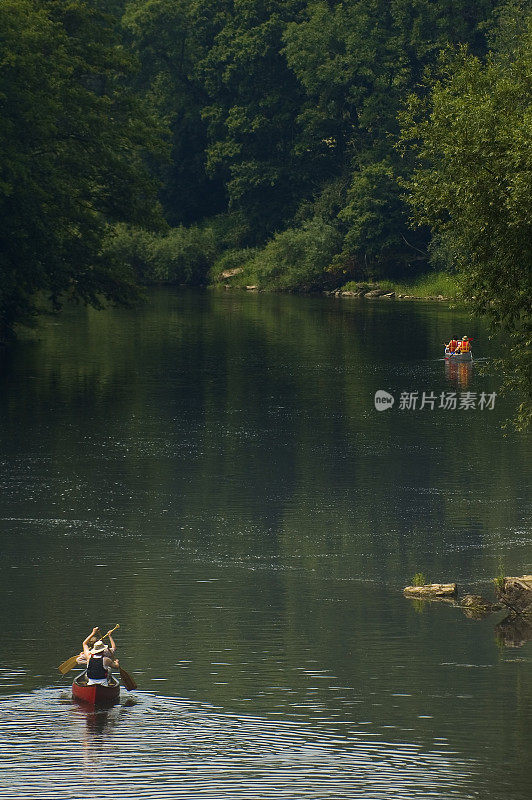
(97,721)
(514,631)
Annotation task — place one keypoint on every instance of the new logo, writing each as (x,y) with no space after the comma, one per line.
(383,400)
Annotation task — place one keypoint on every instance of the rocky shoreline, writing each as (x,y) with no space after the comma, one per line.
(366,294)
(378,293)
(365,290)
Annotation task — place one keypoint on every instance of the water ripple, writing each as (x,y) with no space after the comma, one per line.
(167,748)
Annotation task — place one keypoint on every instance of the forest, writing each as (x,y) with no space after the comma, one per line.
(301,144)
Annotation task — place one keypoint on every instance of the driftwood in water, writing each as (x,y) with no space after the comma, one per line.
(516,594)
(431,590)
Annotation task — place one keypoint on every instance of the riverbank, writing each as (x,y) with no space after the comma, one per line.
(434,286)
(439,286)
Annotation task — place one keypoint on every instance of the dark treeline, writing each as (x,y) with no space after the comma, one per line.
(284,131)
(301,143)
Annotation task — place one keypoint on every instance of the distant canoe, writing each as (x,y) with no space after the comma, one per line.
(458,358)
(96,695)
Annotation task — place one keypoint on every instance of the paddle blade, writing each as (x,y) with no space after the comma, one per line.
(127,680)
(67,665)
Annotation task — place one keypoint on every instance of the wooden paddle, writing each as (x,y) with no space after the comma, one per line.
(127,680)
(71,662)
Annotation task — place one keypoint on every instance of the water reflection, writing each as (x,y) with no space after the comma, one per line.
(97,730)
(514,631)
(459,374)
(93,739)
(215,467)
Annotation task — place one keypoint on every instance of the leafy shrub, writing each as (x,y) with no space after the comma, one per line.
(500,578)
(298,258)
(183,255)
(230,260)
(429,285)
(133,247)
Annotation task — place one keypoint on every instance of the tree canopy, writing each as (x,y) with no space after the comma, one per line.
(278,108)
(471,134)
(72,139)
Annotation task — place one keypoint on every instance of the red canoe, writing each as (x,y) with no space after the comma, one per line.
(96,695)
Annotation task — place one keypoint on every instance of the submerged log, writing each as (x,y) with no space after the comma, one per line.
(429,590)
(516,594)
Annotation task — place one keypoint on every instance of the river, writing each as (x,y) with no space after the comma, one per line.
(209,470)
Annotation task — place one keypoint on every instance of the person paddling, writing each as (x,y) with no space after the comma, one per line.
(109,652)
(98,664)
(453,344)
(464,346)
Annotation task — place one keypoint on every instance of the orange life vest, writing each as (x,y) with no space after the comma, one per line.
(453,344)
(464,346)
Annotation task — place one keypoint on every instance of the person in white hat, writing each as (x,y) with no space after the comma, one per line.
(92,638)
(98,664)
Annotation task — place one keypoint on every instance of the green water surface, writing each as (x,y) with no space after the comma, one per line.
(209,470)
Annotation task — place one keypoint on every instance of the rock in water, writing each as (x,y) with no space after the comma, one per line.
(431,590)
(516,594)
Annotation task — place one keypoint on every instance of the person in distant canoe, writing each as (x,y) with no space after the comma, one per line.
(92,638)
(453,344)
(98,664)
(464,346)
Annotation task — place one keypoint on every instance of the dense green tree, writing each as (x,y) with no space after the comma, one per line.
(71,147)
(172,38)
(217,73)
(472,135)
(252,113)
(356,61)
(377,235)
(285,111)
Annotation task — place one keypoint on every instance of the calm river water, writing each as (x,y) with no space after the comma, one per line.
(210,471)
